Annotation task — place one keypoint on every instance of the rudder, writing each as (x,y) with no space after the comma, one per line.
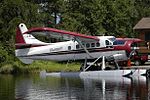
(21,42)
(19,33)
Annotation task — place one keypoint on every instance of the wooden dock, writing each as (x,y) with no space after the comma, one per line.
(145,66)
(141,67)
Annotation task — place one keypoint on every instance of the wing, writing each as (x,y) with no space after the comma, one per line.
(66,35)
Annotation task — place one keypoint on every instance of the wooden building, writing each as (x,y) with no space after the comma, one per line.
(143,27)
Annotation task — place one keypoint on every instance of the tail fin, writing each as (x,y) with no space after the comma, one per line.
(21,42)
(22,38)
(19,33)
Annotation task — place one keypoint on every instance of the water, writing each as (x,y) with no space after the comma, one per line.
(34,87)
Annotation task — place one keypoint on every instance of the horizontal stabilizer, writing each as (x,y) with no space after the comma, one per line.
(26,61)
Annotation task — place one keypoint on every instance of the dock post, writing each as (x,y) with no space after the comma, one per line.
(129,63)
(103,62)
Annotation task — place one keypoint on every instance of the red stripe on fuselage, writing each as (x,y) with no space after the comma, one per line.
(91,50)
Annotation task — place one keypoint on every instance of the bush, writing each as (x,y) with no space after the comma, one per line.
(6,69)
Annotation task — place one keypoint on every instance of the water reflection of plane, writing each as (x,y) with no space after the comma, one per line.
(114,89)
(138,89)
(68,88)
(107,88)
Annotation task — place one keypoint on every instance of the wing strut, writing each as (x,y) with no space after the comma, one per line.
(76,39)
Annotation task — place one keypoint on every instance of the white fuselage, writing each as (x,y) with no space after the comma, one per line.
(69,50)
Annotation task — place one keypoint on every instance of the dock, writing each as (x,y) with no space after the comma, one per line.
(145,66)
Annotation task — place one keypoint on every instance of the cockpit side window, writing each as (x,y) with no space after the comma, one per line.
(107,42)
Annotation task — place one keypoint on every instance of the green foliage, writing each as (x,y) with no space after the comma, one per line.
(98,17)
(6,69)
(12,13)
(51,66)
(4,56)
(37,66)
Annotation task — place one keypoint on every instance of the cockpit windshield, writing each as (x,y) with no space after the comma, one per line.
(112,39)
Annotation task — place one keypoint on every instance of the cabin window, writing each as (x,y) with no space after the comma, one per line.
(77,46)
(83,44)
(69,47)
(92,44)
(97,44)
(119,42)
(87,45)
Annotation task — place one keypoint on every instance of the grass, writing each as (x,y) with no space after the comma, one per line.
(37,66)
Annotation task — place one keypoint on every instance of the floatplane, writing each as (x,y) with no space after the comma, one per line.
(74,46)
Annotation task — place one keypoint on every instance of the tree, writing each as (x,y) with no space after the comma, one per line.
(84,16)
(119,17)
(12,13)
(98,17)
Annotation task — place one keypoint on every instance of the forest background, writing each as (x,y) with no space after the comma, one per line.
(91,17)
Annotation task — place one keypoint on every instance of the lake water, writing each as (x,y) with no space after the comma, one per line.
(34,87)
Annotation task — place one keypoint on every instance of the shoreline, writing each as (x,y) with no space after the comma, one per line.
(37,66)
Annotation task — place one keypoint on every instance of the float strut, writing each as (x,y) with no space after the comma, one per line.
(92,63)
(116,65)
(85,64)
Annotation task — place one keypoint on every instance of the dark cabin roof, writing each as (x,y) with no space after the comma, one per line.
(143,24)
